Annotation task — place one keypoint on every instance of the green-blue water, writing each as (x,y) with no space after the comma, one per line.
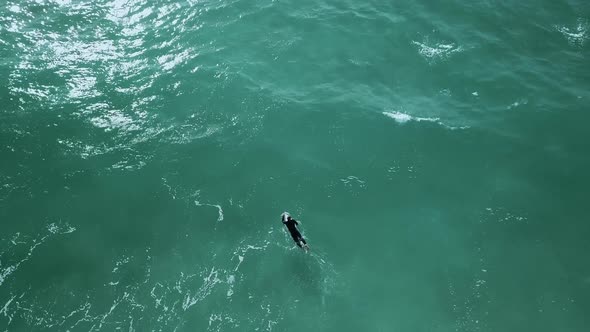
(436,152)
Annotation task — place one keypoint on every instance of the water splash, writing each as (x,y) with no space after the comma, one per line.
(436,52)
(576,36)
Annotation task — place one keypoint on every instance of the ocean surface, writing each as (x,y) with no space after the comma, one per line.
(437,154)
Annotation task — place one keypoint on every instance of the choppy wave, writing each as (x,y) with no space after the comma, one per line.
(110,76)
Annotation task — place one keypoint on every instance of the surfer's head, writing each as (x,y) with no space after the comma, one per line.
(285,216)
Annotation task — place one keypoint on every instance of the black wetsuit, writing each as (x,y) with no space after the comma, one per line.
(292,227)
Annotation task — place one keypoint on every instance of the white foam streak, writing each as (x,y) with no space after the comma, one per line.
(52,228)
(402,118)
(113,307)
(218,207)
(5,309)
(241,259)
(209,283)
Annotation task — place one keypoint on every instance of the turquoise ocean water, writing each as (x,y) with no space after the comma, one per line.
(436,153)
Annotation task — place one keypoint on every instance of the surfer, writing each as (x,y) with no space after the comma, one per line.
(292,228)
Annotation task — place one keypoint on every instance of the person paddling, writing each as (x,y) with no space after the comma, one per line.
(292,228)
